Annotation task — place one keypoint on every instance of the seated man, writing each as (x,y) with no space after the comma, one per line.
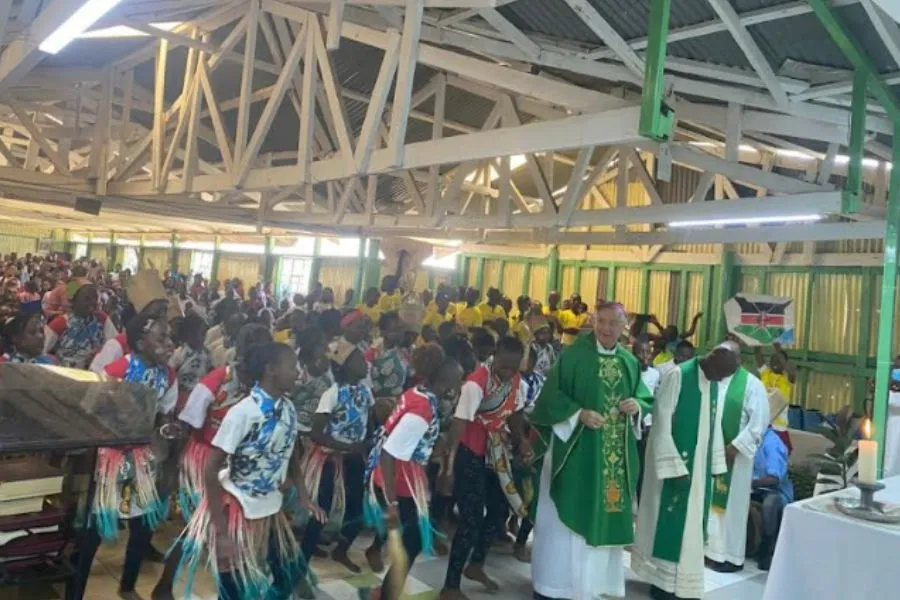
(772,487)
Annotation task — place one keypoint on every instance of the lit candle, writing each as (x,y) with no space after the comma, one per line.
(868,456)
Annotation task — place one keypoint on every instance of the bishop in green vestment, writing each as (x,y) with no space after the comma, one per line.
(587,417)
(685,451)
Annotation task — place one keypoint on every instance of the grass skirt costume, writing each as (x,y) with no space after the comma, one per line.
(412,478)
(349,421)
(127,477)
(263,547)
(267,561)
(225,387)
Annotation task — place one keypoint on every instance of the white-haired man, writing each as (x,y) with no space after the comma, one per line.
(588,417)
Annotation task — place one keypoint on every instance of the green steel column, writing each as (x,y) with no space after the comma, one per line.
(553,270)
(111,253)
(577,283)
(479,273)
(461,270)
(611,283)
(90,244)
(214,270)
(888,299)
(723,291)
(359,273)
(526,279)
(682,299)
(656,118)
(853,192)
(141,253)
(269,258)
(865,336)
(174,259)
(373,265)
(644,290)
(500,276)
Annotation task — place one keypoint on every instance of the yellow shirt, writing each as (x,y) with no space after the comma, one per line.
(664,356)
(283,336)
(491,314)
(470,317)
(389,302)
(554,314)
(778,381)
(523,332)
(433,307)
(373,312)
(434,319)
(569,320)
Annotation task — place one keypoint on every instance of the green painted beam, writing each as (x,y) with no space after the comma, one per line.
(526,279)
(852,49)
(682,300)
(656,117)
(852,196)
(611,283)
(217,253)
(479,274)
(888,299)
(645,290)
(360,271)
(724,290)
(865,336)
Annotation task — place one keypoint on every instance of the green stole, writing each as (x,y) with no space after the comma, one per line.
(731,426)
(675,495)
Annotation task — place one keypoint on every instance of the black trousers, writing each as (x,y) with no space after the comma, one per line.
(354,472)
(412,543)
(482,510)
(139,536)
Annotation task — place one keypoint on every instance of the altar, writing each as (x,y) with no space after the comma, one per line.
(825,555)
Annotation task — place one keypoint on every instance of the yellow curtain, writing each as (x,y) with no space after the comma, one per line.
(873,322)
(749,283)
(835,322)
(694,301)
(792,285)
(590,279)
(158,258)
(246,268)
(513,277)
(99,252)
(828,392)
(338,275)
(537,285)
(658,297)
(491,275)
(421,279)
(628,288)
(567,281)
(472,272)
(184,261)
(19,245)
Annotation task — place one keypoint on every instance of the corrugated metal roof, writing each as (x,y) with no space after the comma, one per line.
(717,48)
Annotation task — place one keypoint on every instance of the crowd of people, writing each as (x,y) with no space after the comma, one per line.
(458,421)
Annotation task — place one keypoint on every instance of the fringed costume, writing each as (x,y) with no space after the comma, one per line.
(258,434)
(206,407)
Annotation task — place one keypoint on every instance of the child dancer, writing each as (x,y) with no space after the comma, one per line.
(127,477)
(23,337)
(398,485)
(192,360)
(240,527)
(334,465)
(208,403)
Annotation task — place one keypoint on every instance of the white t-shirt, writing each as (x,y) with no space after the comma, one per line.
(405,437)
(651,378)
(196,406)
(258,456)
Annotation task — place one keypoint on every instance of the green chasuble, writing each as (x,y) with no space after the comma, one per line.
(594,473)
(675,495)
(732,411)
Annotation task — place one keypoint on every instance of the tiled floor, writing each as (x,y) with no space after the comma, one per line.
(424,583)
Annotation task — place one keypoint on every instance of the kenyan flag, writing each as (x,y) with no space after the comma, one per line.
(761,320)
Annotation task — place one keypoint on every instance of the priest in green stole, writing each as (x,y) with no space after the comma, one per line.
(685,451)
(587,417)
(745,418)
